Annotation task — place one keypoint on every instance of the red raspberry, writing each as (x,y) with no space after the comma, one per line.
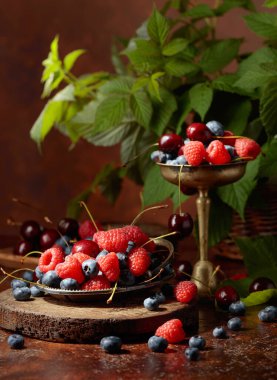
(81,257)
(228,141)
(194,152)
(109,265)
(97,283)
(172,331)
(71,268)
(136,235)
(217,154)
(114,240)
(87,229)
(138,261)
(50,258)
(247,148)
(185,291)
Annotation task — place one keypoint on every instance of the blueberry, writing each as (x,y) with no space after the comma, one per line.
(63,241)
(111,344)
(16,341)
(126,278)
(192,353)
(130,246)
(168,270)
(28,275)
(170,162)
(102,253)
(159,296)
(181,160)
(36,291)
(151,304)
(186,141)
(90,268)
(51,279)
(38,273)
(267,316)
(22,294)
(197,341)
(157,343)
(271,308)
(89,238)
(157,156)
(18,284)
(234,323)
(220,333)
(69,284)
(122,258)
(68,250)
(215,127)
(237,308)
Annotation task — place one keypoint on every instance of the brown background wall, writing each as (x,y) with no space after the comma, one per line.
(26,29)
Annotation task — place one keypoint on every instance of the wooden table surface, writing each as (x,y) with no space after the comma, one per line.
(250,353)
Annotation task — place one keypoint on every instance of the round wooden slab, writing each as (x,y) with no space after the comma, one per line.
(55,320)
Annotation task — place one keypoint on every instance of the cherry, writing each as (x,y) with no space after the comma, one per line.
(88,247)
(87,229)
(48,238)
(199,132)
(188,190)
(30,230)
(170,143)
(23,247)
(181,268)
(68,227)
(261,283)
(181,223)
(225,296)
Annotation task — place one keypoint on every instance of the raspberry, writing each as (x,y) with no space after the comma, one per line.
(71,268)
(50,258)
(194,152)
(114,240)
(185,291)
(172,331)
(109,265)
(136,235)
(97,283)
(228,141)
(217,154)
(81,257)
(247,148)
(87,229)
(138,261)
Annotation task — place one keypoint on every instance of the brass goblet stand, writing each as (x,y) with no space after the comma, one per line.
(203,178)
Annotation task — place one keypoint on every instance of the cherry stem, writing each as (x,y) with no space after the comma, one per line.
(23,203)
(109,300)
(159,237)
(138,155)
(152,278)
(82,203)
(29,254)
(147,209)
(229,137)
(20,278)
(196,279)
(179,189)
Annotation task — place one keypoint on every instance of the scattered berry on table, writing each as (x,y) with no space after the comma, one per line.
(16,341)
(22,294)
(50,258)
(36,291)
(192,353)
(197,341)
(157,343)
(261,283)
(237,308)
(247,148)
(51,279)
(71,268)
(220,333)
(268,315)
(159,296)
(69,284)
(109,265)
(138,261)
(90,268)
(271,309)
(111,344)
(194,152)
(172,331)
(16,283)
(99,282)
(215,127)
(217,154)
(185,291)
(226,295)
(234,324)
(151,303)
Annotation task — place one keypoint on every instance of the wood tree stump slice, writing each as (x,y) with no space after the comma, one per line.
(54,320)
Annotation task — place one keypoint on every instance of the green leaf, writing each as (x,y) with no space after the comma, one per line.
(178,67)
(141,107)
(219,211)
(110,112)
(175,46)
(199,11)
(269,161)
(74,209)
(236,194)
(252,80)
(71,58)
(227,5)
(109,182)
(218,56)
(158,27)
(263,24)
(268,109)
(261,297)
(163,111)
(256,59)
(109,137)
(201,96)
(129,146)
(185,108)
(146,56)
(65,95)
(270,3)
(117,61)
(239,113)
(119,85)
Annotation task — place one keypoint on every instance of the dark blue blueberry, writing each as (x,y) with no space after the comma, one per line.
(271,308)
(197,341)
(103,253)
(126,278)
(232,151)
(28,275)
(51,279)
(69,284)
(39,274)
(151,303)
(68,250)
(237,308)
(111,344)
(130,246)
(90,268)
(36,291)
(215,127)
(192,353)
(234,324)
(157,156)
(168,270)
(22,294)
(220,333)
(159,296)
(157,343)
(181,160)
(122,258)
(89,238)
(171,162)
(267,316)
(186,141)
(16,341)
(63,241)
(18,284)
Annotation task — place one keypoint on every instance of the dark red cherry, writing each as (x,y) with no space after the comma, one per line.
(23,247)
(188,190)
(68,227)
(183,270)
(261,283)
(170,143)
(199,132)
(87,247)
(228,141)
(225,296)
(181,223)
(48,238)
(30,230)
